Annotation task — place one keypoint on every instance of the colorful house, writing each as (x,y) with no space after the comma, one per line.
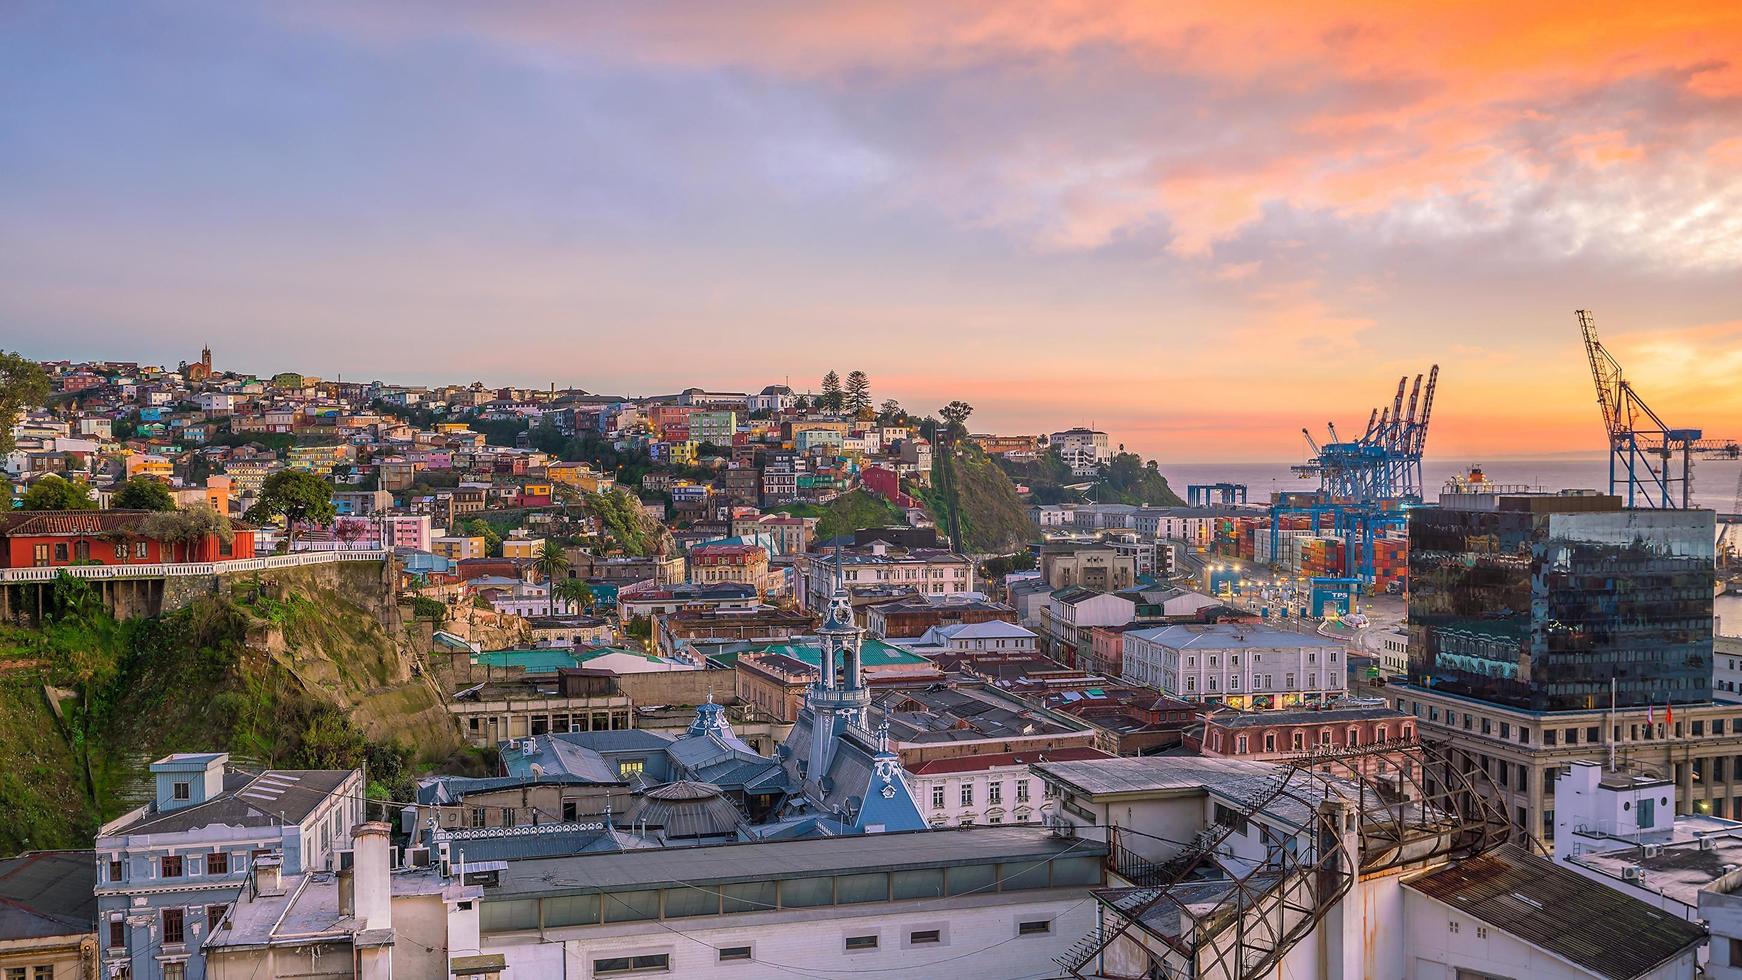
(48,538)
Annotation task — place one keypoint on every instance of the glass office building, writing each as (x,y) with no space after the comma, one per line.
(1539,601)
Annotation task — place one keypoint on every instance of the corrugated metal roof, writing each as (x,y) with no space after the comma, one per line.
(1600,929)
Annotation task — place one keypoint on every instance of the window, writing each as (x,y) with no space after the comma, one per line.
(1034,927)
(82,550)
(967,794)
(121,551)
(729,954)
(117,933)
(140,549)
(1299,741)
(181,791)
(857,944)
(171,867)
(937,797)
(60,552)
(15,973)
(631,767)
(213,914)
(616,966)
(115,869)
(924,936)
(1240,745)
(173,930)
(477,816)
(177,970)
(1022,791)
(1270,741)
(218,863)
(41,554)
(568,811)
(995,792)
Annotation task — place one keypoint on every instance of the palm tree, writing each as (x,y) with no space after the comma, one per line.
(574,591)
(550,561)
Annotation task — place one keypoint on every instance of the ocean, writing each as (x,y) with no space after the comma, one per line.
(1714,479)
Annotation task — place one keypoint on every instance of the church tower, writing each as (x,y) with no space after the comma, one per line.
(838,697)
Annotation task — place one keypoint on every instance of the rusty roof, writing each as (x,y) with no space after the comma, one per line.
(1595,927)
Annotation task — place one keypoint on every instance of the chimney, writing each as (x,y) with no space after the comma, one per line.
(372,886)
(266,875)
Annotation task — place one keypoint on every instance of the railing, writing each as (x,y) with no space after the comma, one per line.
(166,569)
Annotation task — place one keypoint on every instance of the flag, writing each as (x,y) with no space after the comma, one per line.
(1669,714)
(1648,717)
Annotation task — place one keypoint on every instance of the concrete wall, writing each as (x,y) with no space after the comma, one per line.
(678,686)
(982,927)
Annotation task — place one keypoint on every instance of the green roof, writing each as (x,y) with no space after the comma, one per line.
(872,653)
(534,661)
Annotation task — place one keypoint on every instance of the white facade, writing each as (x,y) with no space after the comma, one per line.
(1084,450)
(995,635)
(996,794)
(1393,649)
(1234,663)
(997,930)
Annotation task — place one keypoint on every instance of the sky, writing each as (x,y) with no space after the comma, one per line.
(1200,227)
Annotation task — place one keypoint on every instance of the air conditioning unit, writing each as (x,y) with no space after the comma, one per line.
(1653,850)
(1633,872)
(417,857)
(1708,843)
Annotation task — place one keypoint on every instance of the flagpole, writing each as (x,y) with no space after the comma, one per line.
(1611,725)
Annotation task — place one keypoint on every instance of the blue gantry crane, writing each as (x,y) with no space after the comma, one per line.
(1365,484)
(1653,459)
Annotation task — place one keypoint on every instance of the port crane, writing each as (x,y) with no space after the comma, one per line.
(1654,459)
(1366,483)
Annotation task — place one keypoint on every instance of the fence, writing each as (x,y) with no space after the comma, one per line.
(167,569)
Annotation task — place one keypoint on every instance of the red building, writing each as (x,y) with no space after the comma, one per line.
(1278,735)
(48,538)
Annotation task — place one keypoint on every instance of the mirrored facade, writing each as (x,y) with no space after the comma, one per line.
(1539,601)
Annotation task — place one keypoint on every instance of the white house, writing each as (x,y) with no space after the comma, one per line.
(989,788)
(995,635)
(1240,665)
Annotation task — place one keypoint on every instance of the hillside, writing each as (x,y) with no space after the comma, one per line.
(297,667)
(1125,480)
(975,502)
(847,513)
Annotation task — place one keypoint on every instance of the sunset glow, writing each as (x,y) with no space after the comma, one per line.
(1198,226)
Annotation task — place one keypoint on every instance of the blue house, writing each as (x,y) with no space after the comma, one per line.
(167,871)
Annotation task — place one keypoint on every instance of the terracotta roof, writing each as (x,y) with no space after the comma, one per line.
(979,762)
(71,522)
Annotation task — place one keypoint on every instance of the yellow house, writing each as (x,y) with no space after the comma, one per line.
(519,544)
(459,547)
(579,475)
(451,427)
(321,459)
(139,464)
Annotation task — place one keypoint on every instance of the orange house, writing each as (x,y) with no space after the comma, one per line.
(48,538)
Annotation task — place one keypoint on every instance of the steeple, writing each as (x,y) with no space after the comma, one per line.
(839,697)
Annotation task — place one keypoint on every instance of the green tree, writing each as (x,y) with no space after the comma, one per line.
(182,529)
(551,562)
(576,591)
(295,496)
(53,493)
(143,493)
(955,416)
(858,392)
(891,413)
(23,384)
(832,399)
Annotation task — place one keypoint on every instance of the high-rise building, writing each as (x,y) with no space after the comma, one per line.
(1553,602)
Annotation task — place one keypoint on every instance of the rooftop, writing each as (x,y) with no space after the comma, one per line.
(308,910)
(273,797)
(938,714)
(1678,869)
(764,860)
(1229,636)
(47,893)
(1600,929)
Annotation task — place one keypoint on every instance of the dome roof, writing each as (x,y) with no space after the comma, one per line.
(686,808)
